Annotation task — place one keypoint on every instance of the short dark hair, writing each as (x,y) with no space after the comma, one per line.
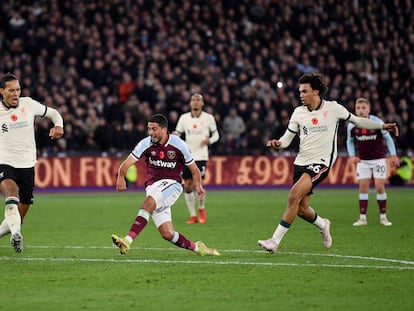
(316,82)
(197,94)
(160,119)
(6,78)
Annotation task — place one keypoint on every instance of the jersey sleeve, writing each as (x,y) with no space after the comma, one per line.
(38,108)
(183,147)
(179,129)
(139,149)
(341,112)
(214,134)
(291,131)
(350,143)
(293,125)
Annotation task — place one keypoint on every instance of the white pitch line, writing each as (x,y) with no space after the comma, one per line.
(207,262)
(216,262)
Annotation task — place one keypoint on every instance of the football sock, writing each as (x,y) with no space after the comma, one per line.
(383,216)
(4,228)
(201,203)
(319,222)
(280,231)
(190,200)
(181,241)
(12,215)
(382,202)
(363,203)
(139,224)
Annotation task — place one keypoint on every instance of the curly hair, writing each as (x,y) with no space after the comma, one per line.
(316,82)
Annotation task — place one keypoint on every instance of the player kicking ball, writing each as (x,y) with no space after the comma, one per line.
(165,156)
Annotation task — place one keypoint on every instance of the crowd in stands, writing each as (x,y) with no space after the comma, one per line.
(107,65)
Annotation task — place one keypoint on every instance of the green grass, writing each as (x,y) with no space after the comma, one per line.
(69,263)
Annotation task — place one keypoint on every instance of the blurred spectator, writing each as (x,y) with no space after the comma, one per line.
(140,57)
(103,135)
(255,143)
(125,88)
(255,122)
(234,127)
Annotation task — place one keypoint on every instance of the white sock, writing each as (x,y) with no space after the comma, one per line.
(381,196)
(12,215)
(279,233)
(4,228)
(175,237)
(201,203)
(319,222)
(190,200)
(143,213)
(363,217)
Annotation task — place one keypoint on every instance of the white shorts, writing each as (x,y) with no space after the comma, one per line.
(165,192)
(372,168)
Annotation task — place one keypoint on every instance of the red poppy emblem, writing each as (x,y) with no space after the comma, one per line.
(194,126)
(364,131)
(315,121)
(14,117)
(162,155)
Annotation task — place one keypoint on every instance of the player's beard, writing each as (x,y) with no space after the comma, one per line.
(155,140)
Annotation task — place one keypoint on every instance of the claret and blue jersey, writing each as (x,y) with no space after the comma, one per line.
(163,161)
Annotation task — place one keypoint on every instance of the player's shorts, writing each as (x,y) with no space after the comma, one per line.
(24,178)
(201,166)
(366,169)
(165,192)
(317,172)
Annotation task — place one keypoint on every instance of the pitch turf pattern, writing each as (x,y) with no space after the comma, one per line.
(69,263)
(393,263)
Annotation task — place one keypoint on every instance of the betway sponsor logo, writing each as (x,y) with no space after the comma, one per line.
(162,163)
(366,137)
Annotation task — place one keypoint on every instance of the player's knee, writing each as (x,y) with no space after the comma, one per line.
(167,235)
(188,186)
(148,205)
(293,201)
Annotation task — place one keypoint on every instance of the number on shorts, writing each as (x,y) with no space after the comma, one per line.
(380,168)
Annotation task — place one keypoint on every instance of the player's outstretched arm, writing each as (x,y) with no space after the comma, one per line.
(391,127)
(273,143)
(372,125)
(56,132)
(283,141)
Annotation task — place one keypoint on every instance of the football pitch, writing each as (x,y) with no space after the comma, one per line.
(69,263)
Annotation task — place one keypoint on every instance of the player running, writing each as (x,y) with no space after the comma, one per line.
(18,153)
(316,122)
